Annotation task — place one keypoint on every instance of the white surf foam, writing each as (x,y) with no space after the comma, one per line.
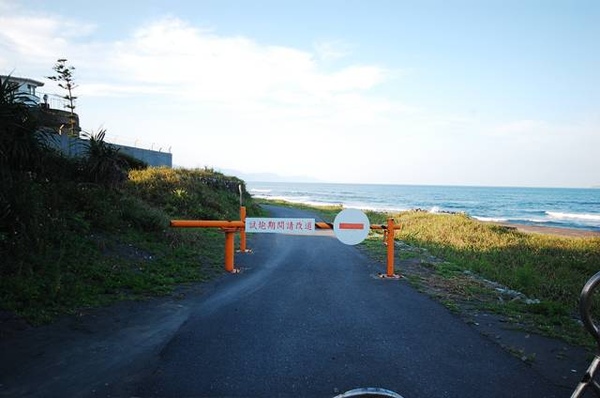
(491,219)
(574,216)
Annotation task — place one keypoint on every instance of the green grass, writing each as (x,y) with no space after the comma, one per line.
(126,265)
(546,267)
(97,245)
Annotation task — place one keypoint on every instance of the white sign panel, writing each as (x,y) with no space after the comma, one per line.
(351,226)
(297,226)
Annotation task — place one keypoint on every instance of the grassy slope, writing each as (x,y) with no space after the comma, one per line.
(106,244)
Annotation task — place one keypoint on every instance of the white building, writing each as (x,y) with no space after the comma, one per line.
(25,89)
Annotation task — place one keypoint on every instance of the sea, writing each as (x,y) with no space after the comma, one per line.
(553,207)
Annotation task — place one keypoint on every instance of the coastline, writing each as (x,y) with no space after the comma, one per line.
(545,230)
(559,209)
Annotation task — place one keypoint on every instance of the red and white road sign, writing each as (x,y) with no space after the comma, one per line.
(295,226)
(351,226)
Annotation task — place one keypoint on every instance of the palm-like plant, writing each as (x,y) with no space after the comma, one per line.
(102,161)
(20,143)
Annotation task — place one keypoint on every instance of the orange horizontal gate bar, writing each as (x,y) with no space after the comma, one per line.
(231,227)
(207,224)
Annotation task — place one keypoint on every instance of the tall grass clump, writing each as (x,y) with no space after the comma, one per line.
(190,193)
(547,267)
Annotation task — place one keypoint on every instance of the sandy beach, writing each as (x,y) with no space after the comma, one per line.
(567,232)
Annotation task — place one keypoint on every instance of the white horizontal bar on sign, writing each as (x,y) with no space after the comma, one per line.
(298,226)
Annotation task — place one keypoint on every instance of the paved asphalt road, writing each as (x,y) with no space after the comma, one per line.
(307,317)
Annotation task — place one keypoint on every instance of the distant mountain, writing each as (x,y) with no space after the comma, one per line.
(268,177)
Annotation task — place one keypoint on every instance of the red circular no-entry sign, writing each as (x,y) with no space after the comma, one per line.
(351,226)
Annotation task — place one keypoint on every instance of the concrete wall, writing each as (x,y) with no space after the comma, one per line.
(56,120)
(153,158)
(74,147)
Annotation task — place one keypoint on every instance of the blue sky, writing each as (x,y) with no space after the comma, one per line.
(500,93)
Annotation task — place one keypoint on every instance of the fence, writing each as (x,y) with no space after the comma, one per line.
(75,147)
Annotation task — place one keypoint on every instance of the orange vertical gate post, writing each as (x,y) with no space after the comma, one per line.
(390,247)
(243,230)
(229,248)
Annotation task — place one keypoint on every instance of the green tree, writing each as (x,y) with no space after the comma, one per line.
(66,81)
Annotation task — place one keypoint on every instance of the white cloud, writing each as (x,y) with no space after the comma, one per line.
(544,135)
(520,127)
(254,81)
(36,40)
(332,50)
(120,90)
(212,67)
(28,38)
(348,79)
(174,59)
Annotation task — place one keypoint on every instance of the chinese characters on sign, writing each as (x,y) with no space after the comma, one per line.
(302,226)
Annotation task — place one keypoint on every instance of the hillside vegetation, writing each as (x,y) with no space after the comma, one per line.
(91,230)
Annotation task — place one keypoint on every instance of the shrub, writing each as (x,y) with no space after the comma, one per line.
(103,163)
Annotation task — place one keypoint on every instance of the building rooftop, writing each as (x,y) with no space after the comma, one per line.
(22,80)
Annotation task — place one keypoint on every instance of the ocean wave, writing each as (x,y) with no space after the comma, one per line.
(302,200)
(294,199)
(574,216)
(491,219)
(560,220)
(259,190)
(536,220)
(366,207)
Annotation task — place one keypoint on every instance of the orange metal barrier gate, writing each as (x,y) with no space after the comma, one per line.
(231,227)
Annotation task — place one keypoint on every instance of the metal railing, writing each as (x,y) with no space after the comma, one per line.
(54,101)
(137,143)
